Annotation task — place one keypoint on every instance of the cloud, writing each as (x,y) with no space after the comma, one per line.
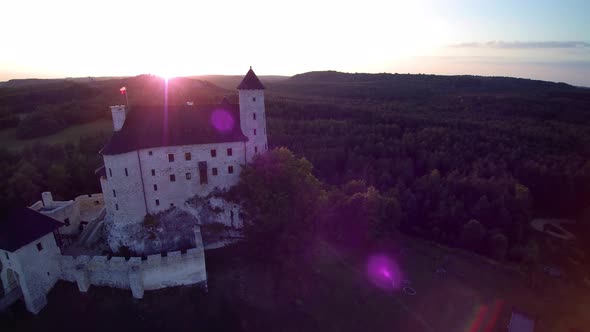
(524,45)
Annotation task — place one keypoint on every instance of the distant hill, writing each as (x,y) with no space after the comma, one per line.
(404,86)
(30,82)
(230,82)
(46,107)
(22,96)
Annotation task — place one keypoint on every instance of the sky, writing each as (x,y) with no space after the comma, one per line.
(548,40)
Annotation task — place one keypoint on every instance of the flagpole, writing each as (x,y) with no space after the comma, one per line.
(126,100)
(124,92)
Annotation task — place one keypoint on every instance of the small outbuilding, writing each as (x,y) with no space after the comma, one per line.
(29,256)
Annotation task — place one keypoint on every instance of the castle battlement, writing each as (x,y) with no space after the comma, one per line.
(153,272)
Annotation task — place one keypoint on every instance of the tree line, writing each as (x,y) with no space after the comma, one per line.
(445,166)
(66,170)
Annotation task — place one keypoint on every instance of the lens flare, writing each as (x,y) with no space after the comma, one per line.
(384,272)
(222,121)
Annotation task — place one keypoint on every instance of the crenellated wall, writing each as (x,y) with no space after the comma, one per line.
(155,272)
(136,273)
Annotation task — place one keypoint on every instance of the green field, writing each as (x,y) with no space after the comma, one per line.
(332,294)
(68,135)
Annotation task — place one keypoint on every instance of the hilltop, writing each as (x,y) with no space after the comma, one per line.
(387,86)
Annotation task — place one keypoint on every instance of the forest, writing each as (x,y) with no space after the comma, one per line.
(466,160)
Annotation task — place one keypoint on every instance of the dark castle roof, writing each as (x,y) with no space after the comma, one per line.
(251,82)
(153,126)
(22,226)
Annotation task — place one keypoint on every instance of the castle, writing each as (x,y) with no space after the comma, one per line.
(161,161)
(160,157)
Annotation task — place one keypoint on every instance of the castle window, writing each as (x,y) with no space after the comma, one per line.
(157,202)
(213,153)
(117,207)
(255,132)
(255,149)
(114,193)
(110,172)
(214,171)
(171,204)
(188,176)
(126,173)
(67,221)
(153,172)
(230,169)
(155,187)
(187,156)
(253,98)
(254,116)
(172,177)
(229,151)
(170,157)
(7,257)
(203,172)
(39,246)
(231,215)
(150,153)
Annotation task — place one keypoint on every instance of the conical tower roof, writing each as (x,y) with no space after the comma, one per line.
(251,82)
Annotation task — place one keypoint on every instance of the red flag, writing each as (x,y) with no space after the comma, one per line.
(123,90)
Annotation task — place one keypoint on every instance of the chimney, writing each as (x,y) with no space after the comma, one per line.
(119,114)
(47,198)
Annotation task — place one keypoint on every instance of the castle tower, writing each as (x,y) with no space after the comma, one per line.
(252,114)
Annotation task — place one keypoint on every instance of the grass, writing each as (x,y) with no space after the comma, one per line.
(332,294)
(69,135)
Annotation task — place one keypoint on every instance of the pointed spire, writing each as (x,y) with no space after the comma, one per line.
(251,82)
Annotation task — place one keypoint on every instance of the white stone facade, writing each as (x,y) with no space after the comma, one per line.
(253,121)
(37,266)
(155,272)
(146,181)
(73,213)
(139,182)
(34,268)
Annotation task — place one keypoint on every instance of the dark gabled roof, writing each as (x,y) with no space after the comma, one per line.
(22,226)
(251,82)
(153,126)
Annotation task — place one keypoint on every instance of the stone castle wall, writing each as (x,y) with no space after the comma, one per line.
(35,268)
(138,273)
(123,190)
(146,186)
(72,212)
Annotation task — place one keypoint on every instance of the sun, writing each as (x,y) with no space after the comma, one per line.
(169,69)
(166,75)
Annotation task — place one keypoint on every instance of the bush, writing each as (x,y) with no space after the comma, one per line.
(150,221)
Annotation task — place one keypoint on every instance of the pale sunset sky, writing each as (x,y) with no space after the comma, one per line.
(548,40)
